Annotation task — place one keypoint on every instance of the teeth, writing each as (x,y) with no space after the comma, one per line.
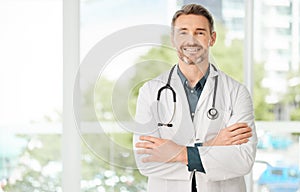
(191,49)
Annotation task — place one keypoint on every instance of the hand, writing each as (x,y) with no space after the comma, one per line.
(235,134)
(161,150)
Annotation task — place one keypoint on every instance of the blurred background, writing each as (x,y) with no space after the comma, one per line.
(31,82)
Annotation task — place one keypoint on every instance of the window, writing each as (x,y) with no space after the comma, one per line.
(31,95)
(31,83)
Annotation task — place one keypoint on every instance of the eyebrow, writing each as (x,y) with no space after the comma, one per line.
(198,29)
(201,29)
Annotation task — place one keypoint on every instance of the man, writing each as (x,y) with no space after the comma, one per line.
(206,141)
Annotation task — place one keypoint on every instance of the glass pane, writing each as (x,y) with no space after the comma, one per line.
(276,94)
(31,162)
(31,95)
(109,39)
(276,48)
(105,168)
(278,150)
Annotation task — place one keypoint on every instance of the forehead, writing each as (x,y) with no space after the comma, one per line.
(191,22)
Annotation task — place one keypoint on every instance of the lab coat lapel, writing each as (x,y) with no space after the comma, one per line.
(182,100)
(208,88)
(201,122)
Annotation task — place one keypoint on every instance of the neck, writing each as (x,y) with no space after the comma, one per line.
(193,72)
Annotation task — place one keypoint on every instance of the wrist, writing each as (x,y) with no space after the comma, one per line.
(208,143)
(182,157)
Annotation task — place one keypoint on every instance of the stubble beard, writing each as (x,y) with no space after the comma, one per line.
(197,61)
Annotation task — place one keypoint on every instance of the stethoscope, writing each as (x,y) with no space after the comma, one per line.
(212,113)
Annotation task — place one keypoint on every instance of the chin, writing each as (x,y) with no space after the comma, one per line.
(197,61)
(188,61)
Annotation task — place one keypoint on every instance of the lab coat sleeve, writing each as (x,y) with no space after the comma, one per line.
(146,125)
(225,162)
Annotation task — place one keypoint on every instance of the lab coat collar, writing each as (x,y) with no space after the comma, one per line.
(207,88)
(213,70)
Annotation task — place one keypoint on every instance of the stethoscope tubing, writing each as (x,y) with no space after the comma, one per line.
(212,113)
(167,86)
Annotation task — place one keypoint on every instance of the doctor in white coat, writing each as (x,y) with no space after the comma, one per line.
(186,146)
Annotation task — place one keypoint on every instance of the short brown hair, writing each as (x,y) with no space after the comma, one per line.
(194,9)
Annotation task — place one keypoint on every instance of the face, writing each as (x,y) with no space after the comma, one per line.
(192,38)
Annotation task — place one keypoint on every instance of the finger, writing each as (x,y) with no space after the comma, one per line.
(146,145)
(239,142)
(150,138)
(237,126)
(144,151)
(241,131)
(242,136)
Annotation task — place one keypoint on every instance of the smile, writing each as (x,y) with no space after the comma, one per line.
(192,49)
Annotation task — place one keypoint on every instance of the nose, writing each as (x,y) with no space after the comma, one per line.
(190,39)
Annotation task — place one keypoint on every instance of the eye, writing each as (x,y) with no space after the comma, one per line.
(182,33)
(200,33)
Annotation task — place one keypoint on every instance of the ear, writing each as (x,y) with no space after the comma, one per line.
(213,38)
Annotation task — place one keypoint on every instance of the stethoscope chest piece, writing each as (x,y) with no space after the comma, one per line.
(212,113)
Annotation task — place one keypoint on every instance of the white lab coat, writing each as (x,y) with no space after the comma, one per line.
(225,166)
